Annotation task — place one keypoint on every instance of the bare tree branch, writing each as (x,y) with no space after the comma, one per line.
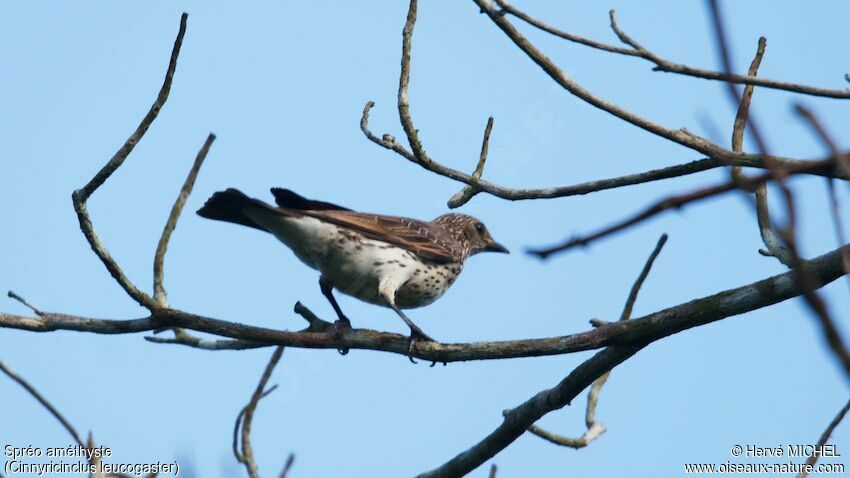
(823,269)
(517,420)
(773,243)
(468,192)
(644,273)
(788,232)
(813,458)
(513,194)
(672,202)
(680,136)
(668,66)
(843,162)
(25,303)
(718,155)
(773,166)
(246,416)
(183,338)
(287,466)
(159,294)
(820,130)
(237,425)
(81,196)
(595,428)
(44,402)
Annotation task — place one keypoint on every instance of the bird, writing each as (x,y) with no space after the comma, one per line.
(390,261)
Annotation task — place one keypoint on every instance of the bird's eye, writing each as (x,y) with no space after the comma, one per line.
(480,228)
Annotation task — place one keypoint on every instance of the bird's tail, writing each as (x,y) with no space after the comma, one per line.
(229,206)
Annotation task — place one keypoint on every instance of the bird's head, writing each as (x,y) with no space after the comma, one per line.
(471,232)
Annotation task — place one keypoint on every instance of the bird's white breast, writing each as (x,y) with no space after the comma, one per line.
(356,265)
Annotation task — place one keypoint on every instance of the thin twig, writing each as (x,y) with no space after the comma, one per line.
(787,233)
(43,401)
(159,294)
(743,113)
(813,458)
(468,192)
(182,337)
(403,82)
(237,425)
(246,457)
(287,466)
(672,202)
(81,196)
(820,130)
(25,303)
(844,163)
(668,66)
(592,433)
(773,243)
(644,273)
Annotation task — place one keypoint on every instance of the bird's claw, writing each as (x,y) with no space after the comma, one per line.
(415,336)
(336,331)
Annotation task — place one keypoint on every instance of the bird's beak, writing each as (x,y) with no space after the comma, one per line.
(494,246)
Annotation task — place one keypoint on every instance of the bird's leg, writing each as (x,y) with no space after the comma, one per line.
(342,322)
(416,333)
(328,292)
(387,289)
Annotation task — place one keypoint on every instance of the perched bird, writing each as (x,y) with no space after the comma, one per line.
(390,261)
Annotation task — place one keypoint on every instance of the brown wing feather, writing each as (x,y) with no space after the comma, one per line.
(419,237)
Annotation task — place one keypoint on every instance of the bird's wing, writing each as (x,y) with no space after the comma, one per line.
(289,199)
(419,237)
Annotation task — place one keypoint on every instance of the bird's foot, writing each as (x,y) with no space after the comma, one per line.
(416,335)
(336,331)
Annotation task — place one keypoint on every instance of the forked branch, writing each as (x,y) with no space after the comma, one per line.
(81,196)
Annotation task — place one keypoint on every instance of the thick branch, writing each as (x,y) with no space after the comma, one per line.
(823,269)
(518,420)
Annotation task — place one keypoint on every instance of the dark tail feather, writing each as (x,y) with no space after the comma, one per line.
(229,206)
(290,200)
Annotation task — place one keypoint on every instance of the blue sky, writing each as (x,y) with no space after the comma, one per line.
(283,84)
